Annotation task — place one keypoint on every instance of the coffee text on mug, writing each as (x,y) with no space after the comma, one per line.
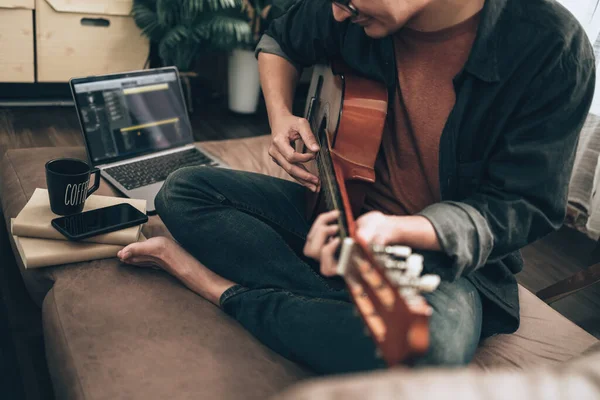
(76,193)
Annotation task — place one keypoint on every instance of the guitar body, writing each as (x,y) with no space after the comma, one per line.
(351,112)
(347,115)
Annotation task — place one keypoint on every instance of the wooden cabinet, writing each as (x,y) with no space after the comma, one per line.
(56,40)
(16,41)
(90,37)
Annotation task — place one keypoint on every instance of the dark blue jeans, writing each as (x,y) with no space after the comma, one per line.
(251,229)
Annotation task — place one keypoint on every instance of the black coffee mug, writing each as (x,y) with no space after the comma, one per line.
(68,182)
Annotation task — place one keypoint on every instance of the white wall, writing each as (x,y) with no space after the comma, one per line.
(588,13)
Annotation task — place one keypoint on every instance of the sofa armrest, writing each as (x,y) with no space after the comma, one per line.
(576,379)
(579,281)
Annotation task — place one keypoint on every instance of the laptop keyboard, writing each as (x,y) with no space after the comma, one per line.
(152,170)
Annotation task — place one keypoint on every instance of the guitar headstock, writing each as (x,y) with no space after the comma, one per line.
(386,285)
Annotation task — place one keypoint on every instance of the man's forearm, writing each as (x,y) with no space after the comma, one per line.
(278,78)
(417,232)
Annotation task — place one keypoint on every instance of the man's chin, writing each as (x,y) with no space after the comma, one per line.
(376,31)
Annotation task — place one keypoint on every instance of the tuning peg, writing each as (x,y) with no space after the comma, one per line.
(399,251)
(378,249)
(414,265)
(428,283)
(395,251)
(390,263)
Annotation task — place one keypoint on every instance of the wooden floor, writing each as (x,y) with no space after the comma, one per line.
(547,261)
(59,126)
(556,257)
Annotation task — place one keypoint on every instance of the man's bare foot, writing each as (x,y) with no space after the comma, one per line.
(164,253)
(155,252)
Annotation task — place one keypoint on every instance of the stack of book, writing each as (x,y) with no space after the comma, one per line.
(40,245)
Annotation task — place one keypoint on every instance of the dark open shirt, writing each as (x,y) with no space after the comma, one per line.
(507,150)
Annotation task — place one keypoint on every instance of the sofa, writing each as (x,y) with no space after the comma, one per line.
(114,331)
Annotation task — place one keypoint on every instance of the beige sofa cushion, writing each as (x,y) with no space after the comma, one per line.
(545,337)
(577,379)
(120,332)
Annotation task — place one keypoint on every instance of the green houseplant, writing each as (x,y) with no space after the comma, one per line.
(181,30)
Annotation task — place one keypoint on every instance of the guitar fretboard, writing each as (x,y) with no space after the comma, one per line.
(330,188)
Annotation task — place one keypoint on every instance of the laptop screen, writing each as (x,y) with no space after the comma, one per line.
(126,115)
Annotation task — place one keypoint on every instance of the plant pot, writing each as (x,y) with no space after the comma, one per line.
(244,82)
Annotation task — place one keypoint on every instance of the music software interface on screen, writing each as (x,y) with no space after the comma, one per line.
(122,117)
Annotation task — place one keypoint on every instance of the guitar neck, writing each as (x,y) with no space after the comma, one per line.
(347,115)
(333,189)
(330,186)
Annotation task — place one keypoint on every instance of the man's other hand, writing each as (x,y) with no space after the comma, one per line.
(377,228)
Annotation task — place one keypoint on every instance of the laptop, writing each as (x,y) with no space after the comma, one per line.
(137,130)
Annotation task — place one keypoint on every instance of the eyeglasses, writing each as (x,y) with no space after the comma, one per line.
(346,6)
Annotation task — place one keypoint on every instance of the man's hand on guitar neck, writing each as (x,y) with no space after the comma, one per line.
(278,78)
(322,242)
(373,227)
(285,131)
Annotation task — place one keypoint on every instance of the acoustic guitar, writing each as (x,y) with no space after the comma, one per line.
(347,115)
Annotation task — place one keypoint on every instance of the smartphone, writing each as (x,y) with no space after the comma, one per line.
(101,220)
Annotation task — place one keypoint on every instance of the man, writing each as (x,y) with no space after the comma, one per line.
(486,103)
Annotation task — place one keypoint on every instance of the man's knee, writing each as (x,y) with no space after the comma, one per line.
(180,187)
(165,194)
(455,325)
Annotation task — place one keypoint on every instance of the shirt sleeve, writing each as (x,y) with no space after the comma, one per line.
(305,35)
(269,45)
(523,194)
